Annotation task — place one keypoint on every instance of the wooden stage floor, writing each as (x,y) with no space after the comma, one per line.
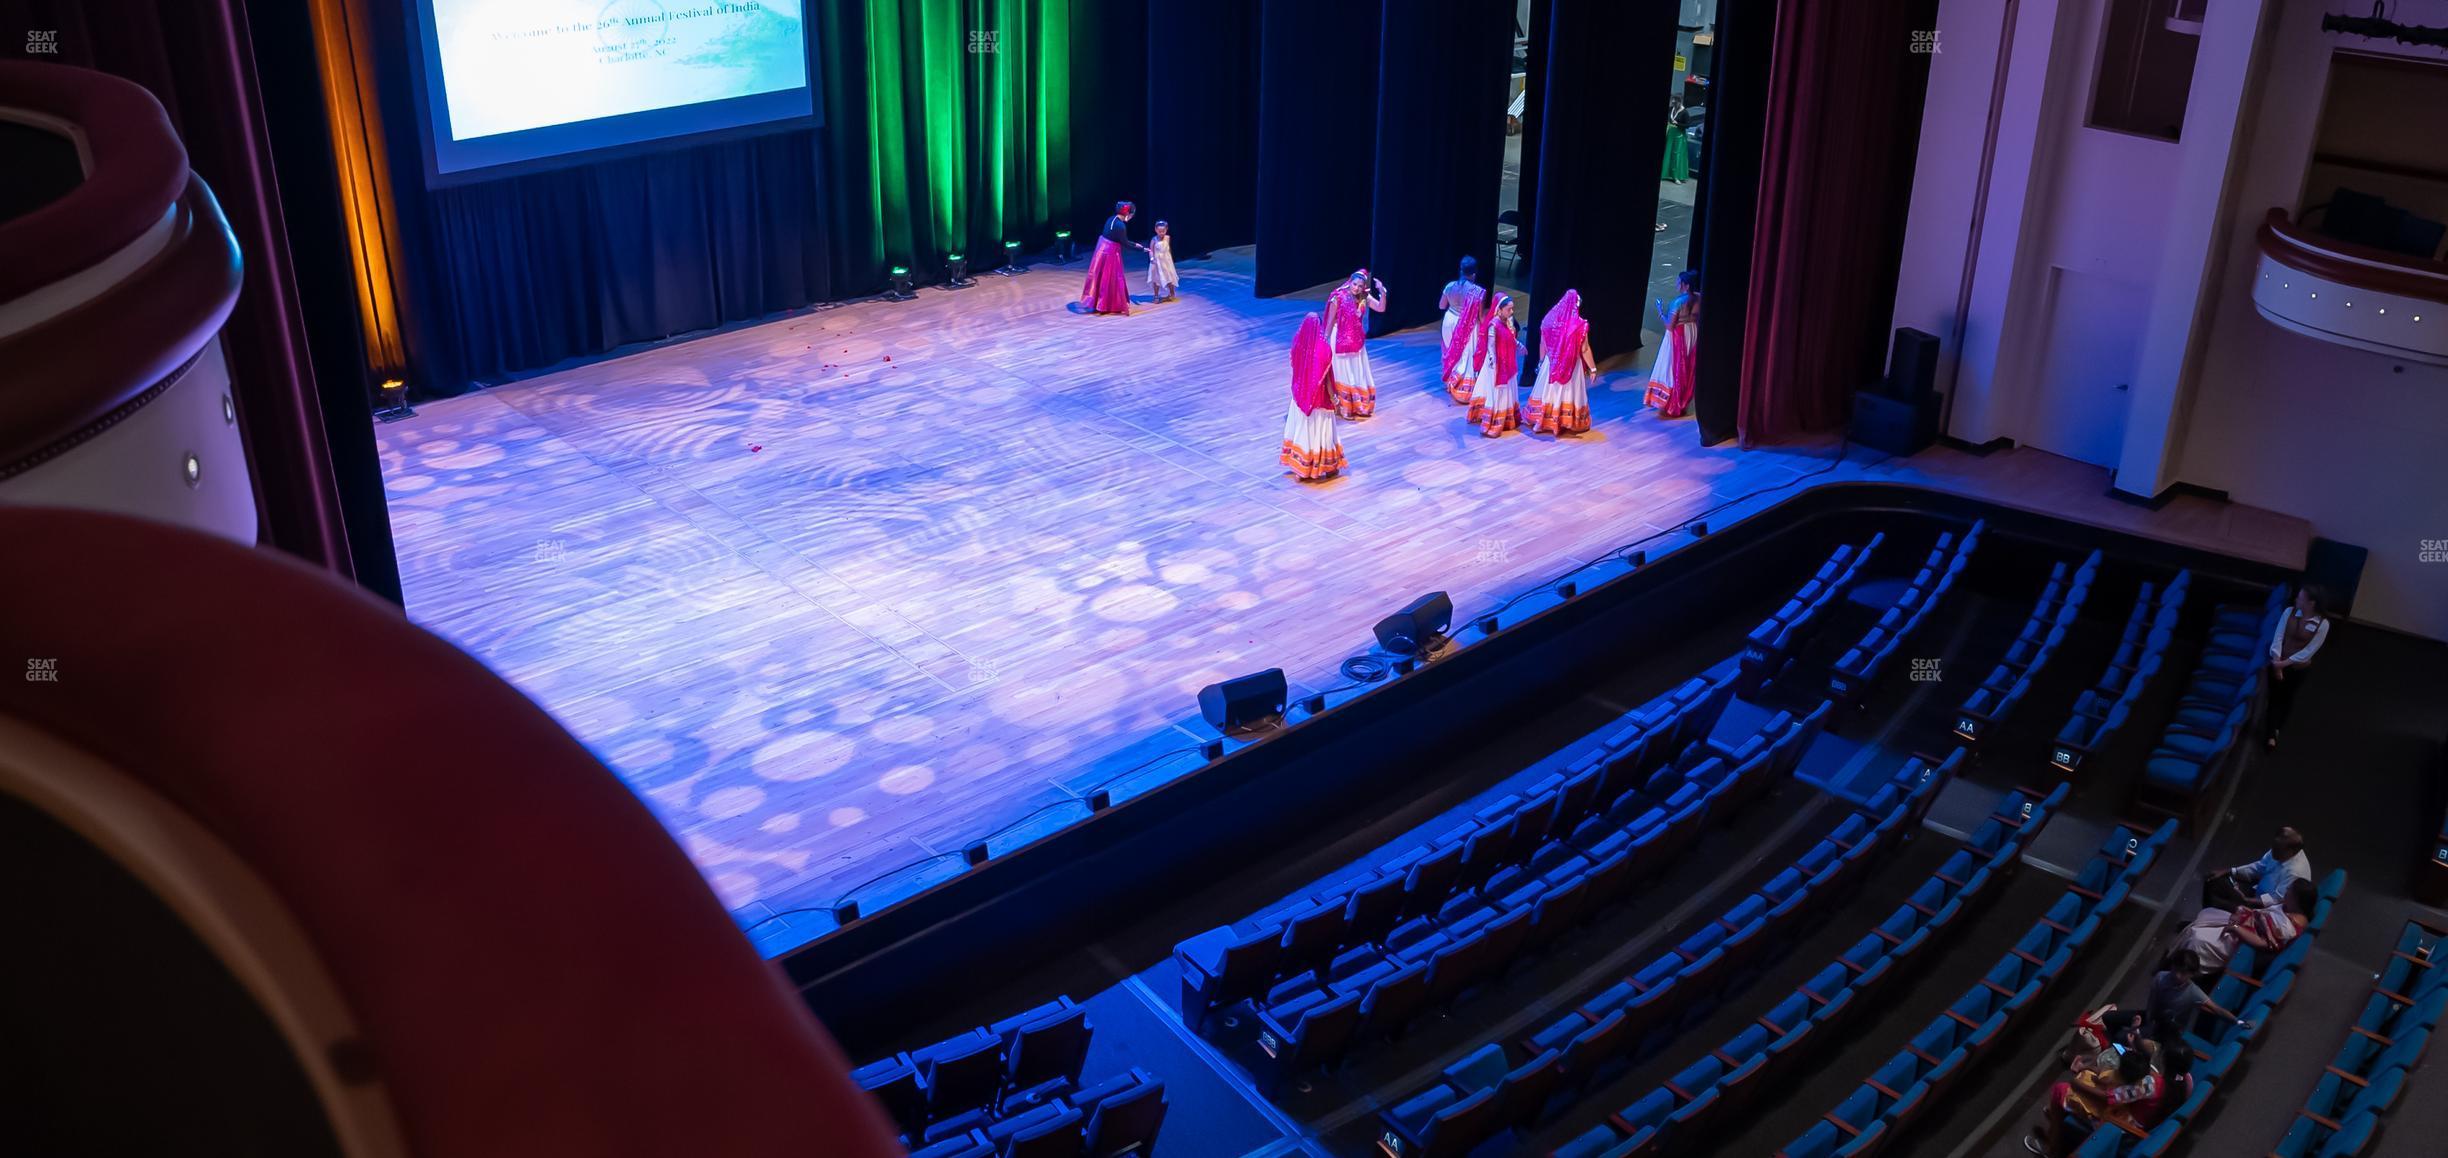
(849,590)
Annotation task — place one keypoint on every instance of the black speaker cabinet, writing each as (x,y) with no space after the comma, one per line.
(1244,700)
(1912,365)
(2337,569)
(1408,631)
(1894,425)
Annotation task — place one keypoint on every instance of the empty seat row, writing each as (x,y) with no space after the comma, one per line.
(2204,735)
(1566,823)
(2259,984)
(1773,644)
(1024,1057)
(1861,664)
(1715,1090)
(1312,1019)
(2385,1044)
(1502,1085)
(1876,1112)
(2100,712)
(2009,683)
(1112,1118)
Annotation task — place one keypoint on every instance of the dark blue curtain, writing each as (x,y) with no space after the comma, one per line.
(1738,112)
(1317,124)
(1202,134)
(1441,89)
(540,268)
(1608,68)
(1109,113)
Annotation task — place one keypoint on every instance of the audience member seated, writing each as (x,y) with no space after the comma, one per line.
(2133,1086)
(2267,924)
(2176,999)
(2267,877)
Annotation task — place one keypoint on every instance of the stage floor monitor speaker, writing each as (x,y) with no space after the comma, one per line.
(1912,365)
(1411,630)
(1244,700)
(1895,425)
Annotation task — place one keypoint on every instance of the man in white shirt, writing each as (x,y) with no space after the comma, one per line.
(2269,876)
(2301,632)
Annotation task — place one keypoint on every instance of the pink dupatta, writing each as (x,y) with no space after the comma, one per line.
(1490,325)
(1471,316)
(1311,359)
(1563,333)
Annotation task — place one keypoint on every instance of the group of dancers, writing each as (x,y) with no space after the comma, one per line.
(1480,366)
(1480,347)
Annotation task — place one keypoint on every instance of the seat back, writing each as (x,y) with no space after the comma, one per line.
(1127,1123)
(1054,1047)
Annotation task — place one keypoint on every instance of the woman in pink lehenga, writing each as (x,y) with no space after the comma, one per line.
(1560,405)
(1496,402)
(1464,303)
(1355,386)
(1671,379)
(1311,447)
(1107,291)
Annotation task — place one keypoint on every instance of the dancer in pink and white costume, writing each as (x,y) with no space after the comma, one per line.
(1496,407)
(1311,447)
(1465,305)
(1355,388)
(1560,405)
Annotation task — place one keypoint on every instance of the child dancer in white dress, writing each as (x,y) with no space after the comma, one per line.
(1560,405)
(1163,283)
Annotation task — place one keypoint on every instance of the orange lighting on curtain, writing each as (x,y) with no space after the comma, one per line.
(344,48)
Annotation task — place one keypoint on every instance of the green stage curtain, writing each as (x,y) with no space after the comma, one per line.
(963,113)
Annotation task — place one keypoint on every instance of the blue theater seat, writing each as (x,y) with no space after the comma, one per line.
(1125,1114)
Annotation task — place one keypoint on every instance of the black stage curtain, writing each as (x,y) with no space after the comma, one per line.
(1443,66)
(1738,113)
(1202,139)
(1600,144)
(1317,124)
(576,261)
(1109,114)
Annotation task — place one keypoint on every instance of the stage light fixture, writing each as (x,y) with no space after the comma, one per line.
(1100,800)
(1314,704)
(956,270)
(900,291)
(845,912)
(975,854)
(1487,625)
(1212,750)
(391,400)
(1405,666)
(1062,246)
(1011,259)
(1699,530)
(1638,559)
(1568,590)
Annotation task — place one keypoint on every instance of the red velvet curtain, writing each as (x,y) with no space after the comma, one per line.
(1845,90)
(193,56)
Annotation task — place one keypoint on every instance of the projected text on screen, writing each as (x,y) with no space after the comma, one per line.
(515,80)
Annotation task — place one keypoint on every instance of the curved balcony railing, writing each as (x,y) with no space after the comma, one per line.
(113,391)
(2353,295)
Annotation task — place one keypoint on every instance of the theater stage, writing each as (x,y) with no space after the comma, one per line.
(842,593)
